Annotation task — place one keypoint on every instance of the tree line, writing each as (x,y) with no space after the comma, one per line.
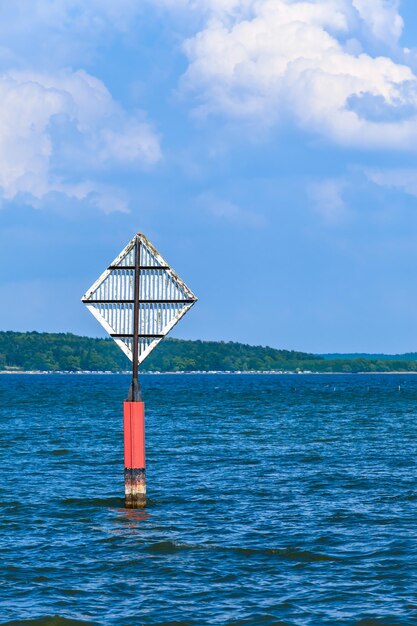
(33,351)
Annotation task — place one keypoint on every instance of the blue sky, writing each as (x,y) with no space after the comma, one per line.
(266,147)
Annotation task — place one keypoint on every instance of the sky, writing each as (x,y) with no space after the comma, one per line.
(267,148)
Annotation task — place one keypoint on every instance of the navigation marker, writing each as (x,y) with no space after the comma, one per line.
(138,299)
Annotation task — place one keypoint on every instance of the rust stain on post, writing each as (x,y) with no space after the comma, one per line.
(135,488)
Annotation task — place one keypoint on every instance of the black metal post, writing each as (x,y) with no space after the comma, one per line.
(134,412)
(135,393)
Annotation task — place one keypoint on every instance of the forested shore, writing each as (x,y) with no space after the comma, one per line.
(33,351)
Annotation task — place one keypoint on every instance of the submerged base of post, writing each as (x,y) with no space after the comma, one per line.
(135,488)
(134,446)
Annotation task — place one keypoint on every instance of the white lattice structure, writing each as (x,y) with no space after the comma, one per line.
(163,298)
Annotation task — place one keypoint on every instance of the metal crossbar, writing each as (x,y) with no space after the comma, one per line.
(185,301)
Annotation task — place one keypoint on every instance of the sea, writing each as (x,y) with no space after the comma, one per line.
(272,500)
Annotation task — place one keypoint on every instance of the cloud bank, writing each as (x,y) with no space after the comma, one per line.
(60,128)
(54,123)
(329,65)
(335,68)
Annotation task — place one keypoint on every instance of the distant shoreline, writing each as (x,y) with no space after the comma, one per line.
(37,353)
(208,373)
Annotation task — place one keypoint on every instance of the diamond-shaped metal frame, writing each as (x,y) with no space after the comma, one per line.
(162,298)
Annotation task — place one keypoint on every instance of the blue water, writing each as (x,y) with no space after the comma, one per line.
(273,500)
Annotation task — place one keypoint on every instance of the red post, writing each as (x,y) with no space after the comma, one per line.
(134,447)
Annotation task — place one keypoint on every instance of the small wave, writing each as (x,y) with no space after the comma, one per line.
(89,502)
(258,619)
(175,623)
(384,621)
(55,620)
(292,554)
(313,458)
(401,497)
(170,547)
(10,503)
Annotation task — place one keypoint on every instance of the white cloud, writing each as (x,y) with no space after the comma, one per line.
(228,211)
(328,202)
(270,59)
(34,107)
(382,19)
(61,131)
(402,179)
